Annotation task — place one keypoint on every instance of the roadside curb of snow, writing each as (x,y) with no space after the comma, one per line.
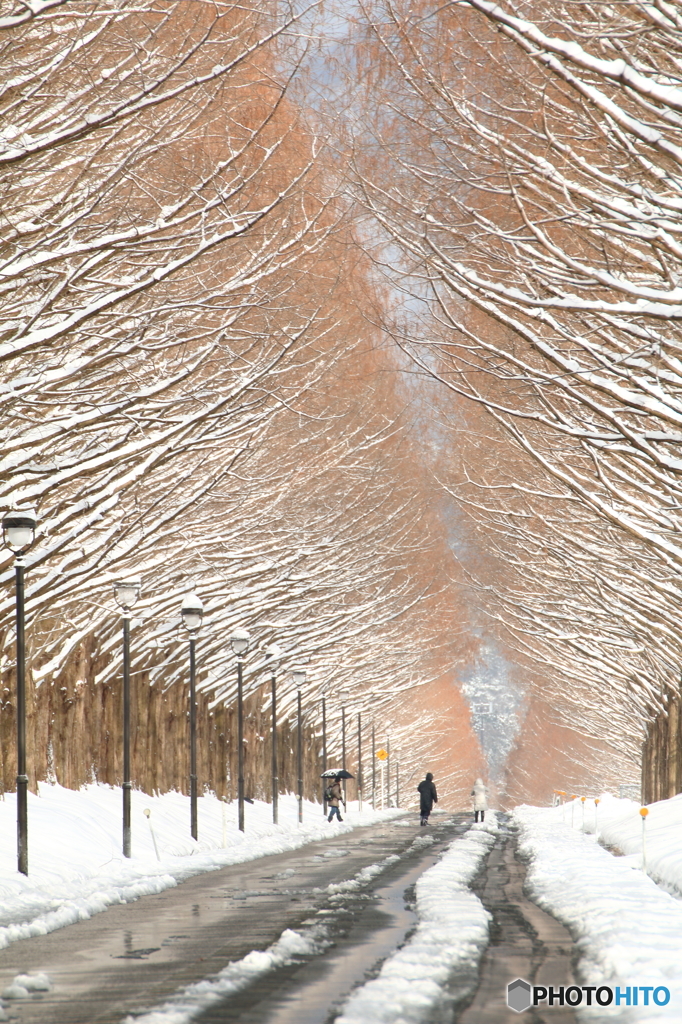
(626,928)
(238,975)
(451,933)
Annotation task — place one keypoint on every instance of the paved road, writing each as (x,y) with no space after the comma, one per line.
(525,942)
(135,956)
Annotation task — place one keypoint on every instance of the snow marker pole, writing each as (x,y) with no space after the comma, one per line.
(596,822)
(644,811)
(582,801)
(148,815)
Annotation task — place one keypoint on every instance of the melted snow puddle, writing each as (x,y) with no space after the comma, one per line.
(321,999)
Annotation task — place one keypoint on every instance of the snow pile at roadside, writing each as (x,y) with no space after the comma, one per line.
(76,868)
(619,825)
(451,934)
(628,930)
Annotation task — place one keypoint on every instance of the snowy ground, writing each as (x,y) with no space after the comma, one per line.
(628,929)
(76,868)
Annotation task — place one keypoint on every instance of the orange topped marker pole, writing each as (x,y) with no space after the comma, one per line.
(644,811)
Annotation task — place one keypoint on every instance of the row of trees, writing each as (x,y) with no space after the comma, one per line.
(193,391)
(524,164)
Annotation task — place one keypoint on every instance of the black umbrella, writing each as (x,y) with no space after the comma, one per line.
(336,773)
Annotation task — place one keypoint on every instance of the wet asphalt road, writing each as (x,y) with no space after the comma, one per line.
(525,942)
(136,956)
(133,958)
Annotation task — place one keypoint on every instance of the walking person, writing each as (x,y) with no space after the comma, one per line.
(480,795)
(427,798)
(334,796)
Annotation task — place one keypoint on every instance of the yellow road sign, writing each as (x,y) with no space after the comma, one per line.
(382,754)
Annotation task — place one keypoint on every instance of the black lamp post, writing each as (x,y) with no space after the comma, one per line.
(388,772)
(18,533)
(273,654)
(192,615)
(299,675)
(324,754)
(374,769)
(239,642)
(359,761)
(343,694)
(126,592)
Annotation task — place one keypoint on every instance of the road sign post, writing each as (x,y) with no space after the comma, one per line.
(382,756)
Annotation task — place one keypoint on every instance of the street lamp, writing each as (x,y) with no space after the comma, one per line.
(192,614)
(126,592)
(299,675)
(343,694)
(18,533)
(374,768)
(324,750)
(239,641)
(359,782)
(273,654)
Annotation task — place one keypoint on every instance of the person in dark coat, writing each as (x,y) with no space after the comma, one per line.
(427,798)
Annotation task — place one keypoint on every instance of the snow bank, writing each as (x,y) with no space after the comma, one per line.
(628,930)
(76,868)
(452,931)
(620,825)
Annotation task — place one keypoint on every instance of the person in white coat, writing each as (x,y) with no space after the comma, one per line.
(480,795)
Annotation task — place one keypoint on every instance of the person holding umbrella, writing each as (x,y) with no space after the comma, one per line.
(334,798)
(334,794)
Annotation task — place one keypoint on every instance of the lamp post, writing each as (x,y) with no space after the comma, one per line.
(343,694)
(299,675)
(239,642)
(324,754)
(126,592)
(18,533)
(374,769)
(388,773)
(192,614)
(273,654)
(359,761)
